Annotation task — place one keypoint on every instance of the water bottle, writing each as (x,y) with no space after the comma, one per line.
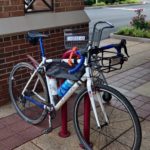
(64,88)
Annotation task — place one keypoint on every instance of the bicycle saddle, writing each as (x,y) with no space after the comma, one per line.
(35,34)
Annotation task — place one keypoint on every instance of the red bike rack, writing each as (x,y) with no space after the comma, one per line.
(86,127)
(64,128)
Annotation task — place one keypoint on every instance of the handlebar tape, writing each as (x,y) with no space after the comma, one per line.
(118,47)
(77,67)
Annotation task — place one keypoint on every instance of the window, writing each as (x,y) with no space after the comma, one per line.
(38,5)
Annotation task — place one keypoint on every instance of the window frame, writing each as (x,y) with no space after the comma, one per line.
(31,2)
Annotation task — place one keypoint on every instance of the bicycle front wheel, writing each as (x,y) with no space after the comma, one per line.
(122,132)
(36,90)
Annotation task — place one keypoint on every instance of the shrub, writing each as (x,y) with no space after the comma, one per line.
(118,1)
(128,1)
(139,26)
(100,4)
(139,20)
(132,31)
(110,1)
(103,2)
(89,2)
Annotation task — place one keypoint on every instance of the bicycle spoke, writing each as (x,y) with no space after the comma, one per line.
(113,134)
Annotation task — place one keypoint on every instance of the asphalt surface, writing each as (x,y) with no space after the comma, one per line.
(119,16)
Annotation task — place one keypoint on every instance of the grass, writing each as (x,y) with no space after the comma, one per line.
(132,31)
(120,2)
(129,1)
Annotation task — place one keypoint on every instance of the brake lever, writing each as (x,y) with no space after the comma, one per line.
(125,58)
(123,45)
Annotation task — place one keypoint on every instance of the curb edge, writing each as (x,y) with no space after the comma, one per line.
(130,38)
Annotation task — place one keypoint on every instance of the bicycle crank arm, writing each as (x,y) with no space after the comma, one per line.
(49,129)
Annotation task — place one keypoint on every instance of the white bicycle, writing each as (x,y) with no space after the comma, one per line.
(34,93)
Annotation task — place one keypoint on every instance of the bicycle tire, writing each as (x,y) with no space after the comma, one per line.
(28,111)
(109,136)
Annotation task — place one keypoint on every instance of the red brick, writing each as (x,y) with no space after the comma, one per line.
(16,2)
(2,60)
(4,101)
(3,71)
(20,41)
(4,14)
(10,8)
(13,142)
(4,2)
(17,13)
(13,58)
(7,43)
(12,48)
(5,133)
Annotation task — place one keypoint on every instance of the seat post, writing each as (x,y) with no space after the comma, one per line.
(42,47)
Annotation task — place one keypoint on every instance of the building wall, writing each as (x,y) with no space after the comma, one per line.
(13,44)
(12,8)
(61,5)
(68,5)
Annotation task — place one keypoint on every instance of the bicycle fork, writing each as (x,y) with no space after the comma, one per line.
(93,99)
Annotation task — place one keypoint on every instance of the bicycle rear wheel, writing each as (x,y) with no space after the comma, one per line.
(18,78)
(123,132)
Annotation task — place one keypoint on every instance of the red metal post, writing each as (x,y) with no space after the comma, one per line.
(64,130)
(86,129)
(86,120)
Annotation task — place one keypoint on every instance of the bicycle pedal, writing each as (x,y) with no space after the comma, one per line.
(48,130)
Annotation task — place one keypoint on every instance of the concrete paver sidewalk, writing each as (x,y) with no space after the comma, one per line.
(133,80)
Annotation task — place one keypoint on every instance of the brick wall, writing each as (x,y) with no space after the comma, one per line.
(14,48)
(11,8)
(60,5)
(68,5)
